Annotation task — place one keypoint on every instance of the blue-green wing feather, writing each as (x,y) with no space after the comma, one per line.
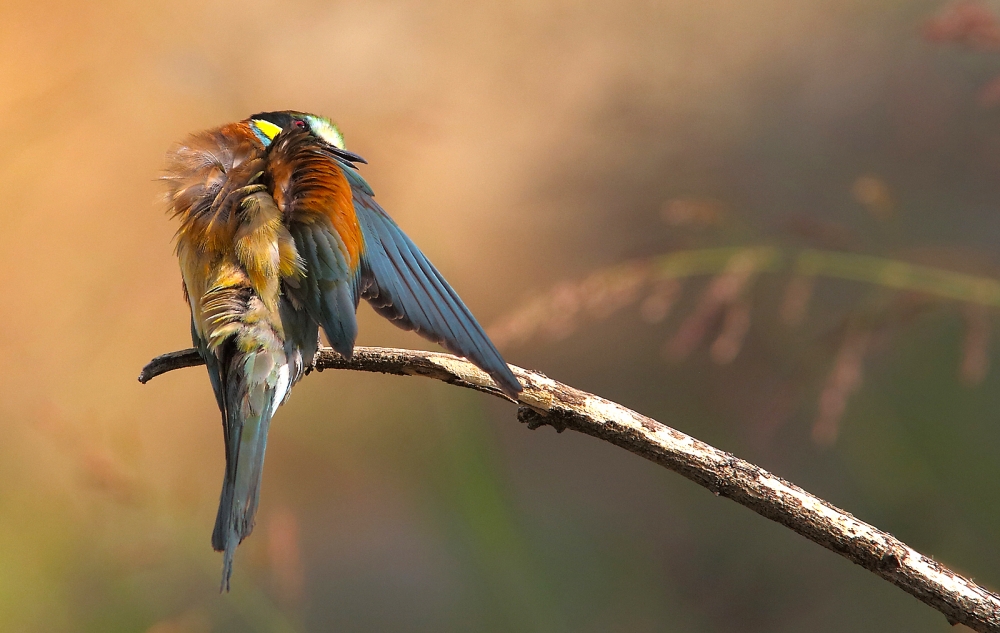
(402,285)
(328,291)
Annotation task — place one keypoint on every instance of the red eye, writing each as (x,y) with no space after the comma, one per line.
(300,124)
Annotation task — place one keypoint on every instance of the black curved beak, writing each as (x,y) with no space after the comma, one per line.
(346,155)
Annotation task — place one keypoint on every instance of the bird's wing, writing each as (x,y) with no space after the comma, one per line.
(402,285)
(353,249)
(315,199)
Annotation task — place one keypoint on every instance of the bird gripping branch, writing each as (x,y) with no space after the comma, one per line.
(279,238)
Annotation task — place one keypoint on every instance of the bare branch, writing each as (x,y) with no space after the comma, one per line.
(547,402)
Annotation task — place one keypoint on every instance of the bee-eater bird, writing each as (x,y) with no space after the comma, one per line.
(281,236)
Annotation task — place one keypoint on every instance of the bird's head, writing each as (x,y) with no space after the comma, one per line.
(267,125)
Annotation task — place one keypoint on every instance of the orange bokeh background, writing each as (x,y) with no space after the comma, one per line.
(520,144)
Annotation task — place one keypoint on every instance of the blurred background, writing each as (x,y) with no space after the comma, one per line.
(771,225)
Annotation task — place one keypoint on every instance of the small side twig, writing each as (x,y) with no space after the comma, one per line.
(547,402)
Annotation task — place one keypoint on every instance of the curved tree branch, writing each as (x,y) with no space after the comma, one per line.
(547,402)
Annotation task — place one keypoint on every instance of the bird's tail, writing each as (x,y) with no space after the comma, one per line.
(254,385)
